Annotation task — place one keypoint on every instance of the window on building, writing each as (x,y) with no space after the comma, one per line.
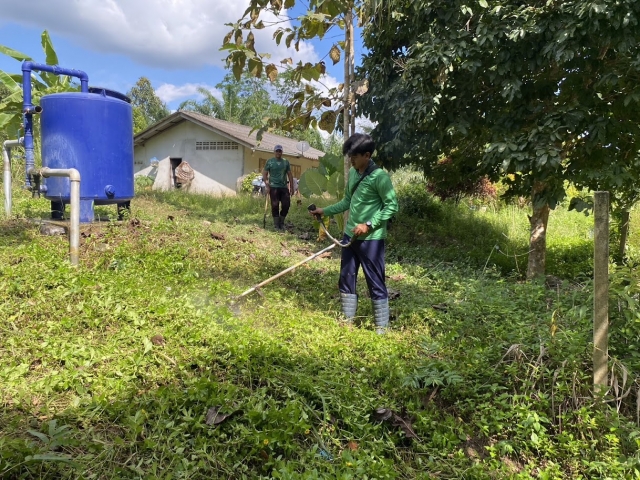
(217,146)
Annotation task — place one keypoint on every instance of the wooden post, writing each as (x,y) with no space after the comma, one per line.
(600,291)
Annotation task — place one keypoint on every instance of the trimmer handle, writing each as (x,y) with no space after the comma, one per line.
(317,216)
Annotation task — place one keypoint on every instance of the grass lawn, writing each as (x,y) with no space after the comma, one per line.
(138,364)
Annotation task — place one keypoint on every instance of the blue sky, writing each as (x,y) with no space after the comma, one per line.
(174,43)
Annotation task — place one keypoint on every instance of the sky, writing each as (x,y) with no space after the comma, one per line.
(174,43)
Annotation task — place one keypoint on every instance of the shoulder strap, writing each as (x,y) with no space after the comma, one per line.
(370,168)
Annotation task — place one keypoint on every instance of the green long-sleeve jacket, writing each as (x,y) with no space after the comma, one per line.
(374,200)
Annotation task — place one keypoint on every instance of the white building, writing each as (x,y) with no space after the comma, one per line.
(219,150)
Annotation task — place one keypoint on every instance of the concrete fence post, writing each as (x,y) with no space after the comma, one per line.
(600,292)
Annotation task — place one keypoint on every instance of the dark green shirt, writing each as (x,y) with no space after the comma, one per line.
(278,170)
(374,201)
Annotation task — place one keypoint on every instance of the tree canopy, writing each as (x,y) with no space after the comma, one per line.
(147,106)
(538,93)
(252,101)
(308,106)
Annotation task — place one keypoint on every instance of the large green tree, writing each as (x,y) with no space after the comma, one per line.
(251,101)
(147,106)
(209,105)
(246,100)
(308,106)
(538,93)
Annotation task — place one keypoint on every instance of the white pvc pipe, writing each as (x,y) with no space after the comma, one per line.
(6,179)
(74,221)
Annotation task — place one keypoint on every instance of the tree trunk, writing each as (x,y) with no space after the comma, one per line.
(538,242)
(352,77)
(624,234)
(346,104)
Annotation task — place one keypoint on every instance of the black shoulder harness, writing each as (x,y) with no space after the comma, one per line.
(370,168)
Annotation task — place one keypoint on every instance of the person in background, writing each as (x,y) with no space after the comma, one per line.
(296,190)
(296,183)
(372,201)
(258,185)
(279,181)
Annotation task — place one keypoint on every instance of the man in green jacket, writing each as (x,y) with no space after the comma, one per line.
(372,201)
(279,181)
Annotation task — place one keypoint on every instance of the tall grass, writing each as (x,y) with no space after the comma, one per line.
(496,234)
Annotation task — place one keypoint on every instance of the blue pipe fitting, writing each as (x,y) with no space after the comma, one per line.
(29,109)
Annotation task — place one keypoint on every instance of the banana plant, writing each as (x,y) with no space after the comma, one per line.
(328,178)
(42,83)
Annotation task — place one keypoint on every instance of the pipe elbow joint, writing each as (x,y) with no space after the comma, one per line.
(27,65)
(74,175)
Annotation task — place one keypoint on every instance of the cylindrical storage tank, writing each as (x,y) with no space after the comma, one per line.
(93,133)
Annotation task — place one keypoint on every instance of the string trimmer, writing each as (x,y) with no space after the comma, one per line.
(266,206)
(318,217)
(308,259)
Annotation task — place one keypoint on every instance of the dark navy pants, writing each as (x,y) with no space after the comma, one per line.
(280,196)
(368,254)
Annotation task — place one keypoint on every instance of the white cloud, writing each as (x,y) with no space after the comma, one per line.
(326,83)
(363,124)
(169,93)
(169,34)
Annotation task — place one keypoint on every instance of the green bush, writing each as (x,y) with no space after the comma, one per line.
(415,201)
(570,258)
(448,180)
(143,183)
(247,187)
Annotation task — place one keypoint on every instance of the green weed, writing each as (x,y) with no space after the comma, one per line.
(139,364)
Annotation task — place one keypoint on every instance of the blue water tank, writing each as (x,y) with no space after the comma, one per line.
(93,133)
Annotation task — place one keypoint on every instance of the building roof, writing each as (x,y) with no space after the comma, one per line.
(240,133)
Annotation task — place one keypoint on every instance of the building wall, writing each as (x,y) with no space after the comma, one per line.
(223,166)
(252,161)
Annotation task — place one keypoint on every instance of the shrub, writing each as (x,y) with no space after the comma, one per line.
(414,200)
(449,180)
(246,181)
(143,183)
(407,175)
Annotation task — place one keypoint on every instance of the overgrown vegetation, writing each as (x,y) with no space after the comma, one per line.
(137,364)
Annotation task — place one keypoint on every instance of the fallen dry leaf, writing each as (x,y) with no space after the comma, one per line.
(389,416)
(35,364)
(215,417)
